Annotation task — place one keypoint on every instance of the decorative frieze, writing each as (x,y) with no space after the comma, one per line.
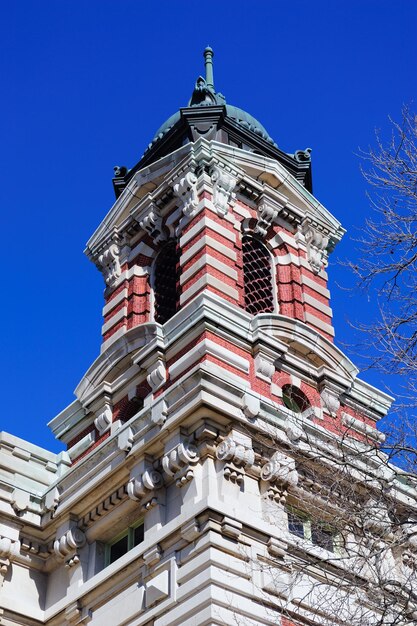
(67,546)
(237,453)
(186,190)
(179,463)
(223,187)
(280,473)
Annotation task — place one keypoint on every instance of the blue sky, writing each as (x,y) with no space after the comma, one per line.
(86,85)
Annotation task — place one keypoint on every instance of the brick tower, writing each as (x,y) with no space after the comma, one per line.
(191,488)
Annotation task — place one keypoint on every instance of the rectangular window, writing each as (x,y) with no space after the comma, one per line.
(124,542)
(318,533)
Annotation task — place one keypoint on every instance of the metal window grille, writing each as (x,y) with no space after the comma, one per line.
(165,285)
(259,296)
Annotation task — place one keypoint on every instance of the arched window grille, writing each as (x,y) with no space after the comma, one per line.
(166,283)
(257,274)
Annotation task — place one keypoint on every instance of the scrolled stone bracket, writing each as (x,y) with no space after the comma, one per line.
(317,246)
(9,550)
(157,374)
(142,488)
(152,223)
(108,263)
(186,190)
(267,214)
(179,463)
(104,419)
(67,546)
(224,184)
(238,455)
(280,472)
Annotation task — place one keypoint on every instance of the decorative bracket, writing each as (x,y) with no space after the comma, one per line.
(223,186)
(9,550)
(67,546)
(157,374)
(109,264)
(267,213)
(104,419)
(280,473)
(186,190)
(317,244)
(180,461)
(152,223)
(141,488)
(236,450)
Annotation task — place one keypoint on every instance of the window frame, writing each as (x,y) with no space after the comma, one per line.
(128,532)
(311,524)
(272,267)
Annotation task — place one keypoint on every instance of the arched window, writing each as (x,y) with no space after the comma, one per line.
(166,283)
(257,274)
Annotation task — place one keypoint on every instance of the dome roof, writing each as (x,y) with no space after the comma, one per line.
(204,95)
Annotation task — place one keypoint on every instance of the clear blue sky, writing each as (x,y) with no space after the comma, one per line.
(86,85)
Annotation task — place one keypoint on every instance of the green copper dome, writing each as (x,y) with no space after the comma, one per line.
(204,95)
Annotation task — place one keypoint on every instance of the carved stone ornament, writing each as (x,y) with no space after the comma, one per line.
(109,264)
(104,419)
(238,457)
(152,223)
(317,243)
(157,375)
(186,190)
(267,213)
(281,473)
(67,546)
(9,549)
(180,461)
(330,401)
(223,186)
(264,368)
(141,488)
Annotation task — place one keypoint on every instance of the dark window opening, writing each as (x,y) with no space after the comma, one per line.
(166,283)
(294,399)
(130,538)
(257,274)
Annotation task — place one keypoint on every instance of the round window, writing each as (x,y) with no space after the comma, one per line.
(294,399)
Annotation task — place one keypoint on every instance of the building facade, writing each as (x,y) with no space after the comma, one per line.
(223,462)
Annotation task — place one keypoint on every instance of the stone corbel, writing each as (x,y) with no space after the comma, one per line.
(237,453)
(223,186)
(267,213)
(152,223)
(157,374)
(317,243)
(9,550)
(104,419)
(67,546)
(142,488)
(186,190)
(264,367)
(109,264)
(280,473)
(179,463)
(330,400)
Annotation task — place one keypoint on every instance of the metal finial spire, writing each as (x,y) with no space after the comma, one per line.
(208,61)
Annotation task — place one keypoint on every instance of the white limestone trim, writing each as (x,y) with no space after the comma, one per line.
(207,241)
(315,321)
(318,305)
(206,281)
(115,301)
(81,446)
(240,210)
(114,319)
(308,282)
(282,237)
(117,335)
(206,222)
(141,248)
(205,347)
(362,428)
(206,259)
